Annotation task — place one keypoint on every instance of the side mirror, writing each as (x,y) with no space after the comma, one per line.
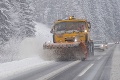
(52,31)
(89,25)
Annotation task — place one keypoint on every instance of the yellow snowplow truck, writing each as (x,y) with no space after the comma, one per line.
(71,40)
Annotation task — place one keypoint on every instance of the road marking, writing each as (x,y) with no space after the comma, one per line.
(52,74)
(99,58)
(85,70)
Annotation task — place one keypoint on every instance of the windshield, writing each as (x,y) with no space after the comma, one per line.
(67,26)
(98,42)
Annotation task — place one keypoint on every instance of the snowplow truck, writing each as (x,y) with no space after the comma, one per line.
(71,40)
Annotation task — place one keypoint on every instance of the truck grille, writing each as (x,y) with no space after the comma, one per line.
(69,39)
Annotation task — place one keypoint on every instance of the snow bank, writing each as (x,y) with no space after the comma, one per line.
(115,67)
(14,68)
(9,52)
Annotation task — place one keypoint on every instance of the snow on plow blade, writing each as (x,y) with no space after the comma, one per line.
(65,51)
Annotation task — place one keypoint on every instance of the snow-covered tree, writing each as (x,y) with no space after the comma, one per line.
(6,30)
(15,19)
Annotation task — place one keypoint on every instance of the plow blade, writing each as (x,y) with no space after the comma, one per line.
(65,51)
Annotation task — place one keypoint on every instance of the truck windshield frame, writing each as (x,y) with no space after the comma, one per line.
(68,26)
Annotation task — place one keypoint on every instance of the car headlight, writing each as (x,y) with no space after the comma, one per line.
(101,45)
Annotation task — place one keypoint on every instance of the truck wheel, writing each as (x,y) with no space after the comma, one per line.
(54,38)
(92,47)
(88,50)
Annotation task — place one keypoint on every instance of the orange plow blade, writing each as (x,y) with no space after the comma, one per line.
(65,51)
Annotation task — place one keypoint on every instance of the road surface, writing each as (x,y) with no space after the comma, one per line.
(94,68)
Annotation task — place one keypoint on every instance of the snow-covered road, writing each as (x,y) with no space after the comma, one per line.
(16,68)
(37,69)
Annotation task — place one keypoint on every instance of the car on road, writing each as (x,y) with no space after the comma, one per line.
(116,42)
(100,45)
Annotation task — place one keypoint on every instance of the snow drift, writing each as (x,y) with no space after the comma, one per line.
(17,49)
(31,47)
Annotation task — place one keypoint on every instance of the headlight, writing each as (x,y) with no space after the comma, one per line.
(101,45)
(85,30)
(75,40)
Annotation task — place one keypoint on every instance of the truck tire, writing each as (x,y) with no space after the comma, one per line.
(88,49)
(54,39)
(86,39)
(92,48)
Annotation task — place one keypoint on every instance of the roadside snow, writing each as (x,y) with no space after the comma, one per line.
(115,73)
(29,54)
(19,67)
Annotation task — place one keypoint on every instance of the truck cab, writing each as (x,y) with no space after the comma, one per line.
(71,30)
